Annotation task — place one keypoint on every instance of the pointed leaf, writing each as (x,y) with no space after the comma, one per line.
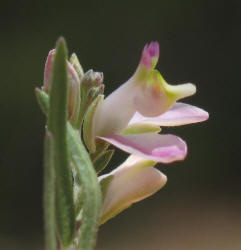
(57,119)
(43,100)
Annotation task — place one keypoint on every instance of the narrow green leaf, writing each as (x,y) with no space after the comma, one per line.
(57,120)
(43,100)
(101,162)
(90,190)
(49,194)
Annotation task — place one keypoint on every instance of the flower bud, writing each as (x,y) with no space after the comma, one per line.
(73,81)
(77,66)
(74,92)
(91,79)
(91,87)
(48,70)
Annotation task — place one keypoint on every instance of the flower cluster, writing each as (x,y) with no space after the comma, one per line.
(130,119)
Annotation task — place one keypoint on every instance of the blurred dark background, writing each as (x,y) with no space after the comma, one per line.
(200,207)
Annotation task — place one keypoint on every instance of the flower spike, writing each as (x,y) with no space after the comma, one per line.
(130,119)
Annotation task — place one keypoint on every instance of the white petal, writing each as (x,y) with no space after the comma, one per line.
(134,180)
(179,114)
(156,147)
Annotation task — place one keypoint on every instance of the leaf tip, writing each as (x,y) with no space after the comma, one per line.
(61,44)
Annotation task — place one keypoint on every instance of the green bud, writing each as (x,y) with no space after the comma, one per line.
(74,93)
(91,87)
(92,79)
(76,64)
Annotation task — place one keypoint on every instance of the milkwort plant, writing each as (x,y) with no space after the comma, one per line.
(81,125)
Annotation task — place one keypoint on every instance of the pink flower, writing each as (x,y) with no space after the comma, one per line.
(130,117)
(133,181)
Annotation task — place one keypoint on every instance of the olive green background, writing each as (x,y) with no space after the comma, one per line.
(200,207)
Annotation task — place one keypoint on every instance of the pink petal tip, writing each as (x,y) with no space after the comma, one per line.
(149,52)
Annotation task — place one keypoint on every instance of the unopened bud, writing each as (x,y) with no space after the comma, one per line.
(74,92)
(91,87)
(77,66)
(48,71)
(91,79)
(95,91)
(73,81)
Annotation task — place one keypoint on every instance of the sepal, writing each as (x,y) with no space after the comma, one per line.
(90,123)
(102,161)
(101,147)
(43,100)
